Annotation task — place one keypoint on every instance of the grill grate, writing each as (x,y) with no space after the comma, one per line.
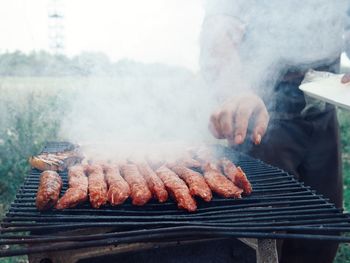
(279,207)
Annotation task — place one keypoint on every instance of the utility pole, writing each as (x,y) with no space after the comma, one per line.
(56,26)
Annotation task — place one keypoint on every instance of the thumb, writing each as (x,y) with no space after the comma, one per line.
(260,126)
(346,78)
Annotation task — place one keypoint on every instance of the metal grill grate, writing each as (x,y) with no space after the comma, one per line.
(279,207)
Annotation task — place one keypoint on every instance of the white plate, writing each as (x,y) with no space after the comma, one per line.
(329,88)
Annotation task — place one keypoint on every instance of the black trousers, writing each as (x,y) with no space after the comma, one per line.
(309,148)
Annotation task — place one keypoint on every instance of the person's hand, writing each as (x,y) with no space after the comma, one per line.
(230,121)
(346,78)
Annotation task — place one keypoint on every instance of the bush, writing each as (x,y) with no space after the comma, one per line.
(30,117)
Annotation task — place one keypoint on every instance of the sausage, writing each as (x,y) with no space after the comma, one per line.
(140,193)
(195,181)
(118,188)
(155,184)
(177,188)
(219,183)
(77,191)
(97,185)
(236,175)
(49,190)
(188,161)
(43,164)
(55,161)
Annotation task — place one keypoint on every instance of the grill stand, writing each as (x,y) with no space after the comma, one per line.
(266,251)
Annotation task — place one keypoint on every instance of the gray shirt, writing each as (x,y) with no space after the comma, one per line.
(279,35)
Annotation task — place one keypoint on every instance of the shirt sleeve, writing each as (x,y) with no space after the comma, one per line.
(229,8)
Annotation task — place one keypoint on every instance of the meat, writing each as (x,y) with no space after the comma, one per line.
(140,193)
(118,188)
(195,182)
(154,162)
(97,185)
(55,161)
(155,184)
(77,191)
(188,161)
(49,190)
(218,183)
(236,175)
(204,154)
(177,188)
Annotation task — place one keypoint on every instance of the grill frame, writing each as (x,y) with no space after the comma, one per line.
(280,207)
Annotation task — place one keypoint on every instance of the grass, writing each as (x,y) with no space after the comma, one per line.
(30,113)
(343,254)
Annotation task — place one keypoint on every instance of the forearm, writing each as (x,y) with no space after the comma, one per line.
(220,62)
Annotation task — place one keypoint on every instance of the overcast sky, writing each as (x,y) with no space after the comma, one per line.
(149,31)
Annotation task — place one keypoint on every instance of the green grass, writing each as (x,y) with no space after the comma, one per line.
(343,254)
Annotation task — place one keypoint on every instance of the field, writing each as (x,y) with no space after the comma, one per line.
(31,112)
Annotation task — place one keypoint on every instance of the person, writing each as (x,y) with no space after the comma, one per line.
(347,35)
(255,55)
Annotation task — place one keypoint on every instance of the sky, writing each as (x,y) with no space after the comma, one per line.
(164,31)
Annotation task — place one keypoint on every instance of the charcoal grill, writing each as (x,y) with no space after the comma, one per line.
(280,207)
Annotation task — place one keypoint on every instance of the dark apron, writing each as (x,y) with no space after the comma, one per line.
(307,145)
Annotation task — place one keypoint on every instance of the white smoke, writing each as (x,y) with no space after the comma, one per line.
(115,114)
(279,35)
(144,109)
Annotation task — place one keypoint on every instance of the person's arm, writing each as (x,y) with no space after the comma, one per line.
(222,69)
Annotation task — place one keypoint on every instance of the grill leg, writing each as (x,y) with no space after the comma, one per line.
(266,250)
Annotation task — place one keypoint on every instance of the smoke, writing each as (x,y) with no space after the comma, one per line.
(145,109)
(162,104)
(281,35)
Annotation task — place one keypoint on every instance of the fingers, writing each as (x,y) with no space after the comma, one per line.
(261,123)
(243,114)
(214,126)
(231,121)
(226,125)
(346,78)
(221,124)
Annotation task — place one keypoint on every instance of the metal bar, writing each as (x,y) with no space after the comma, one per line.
(21,216)
(232,210)
(226,207)
(162,236)
(32,188)
(20,239)
(23,227)
(250,198)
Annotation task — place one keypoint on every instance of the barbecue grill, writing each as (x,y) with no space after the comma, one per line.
(280,207)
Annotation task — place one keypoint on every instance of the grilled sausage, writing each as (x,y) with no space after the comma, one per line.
(77,191)
(188,162)
(155,184)
(236,175)
(97,185)
(218,183)
(118,188)
(43,164)
(49,190)
(140,193)
(195,181)
(177,188)
(55,161)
